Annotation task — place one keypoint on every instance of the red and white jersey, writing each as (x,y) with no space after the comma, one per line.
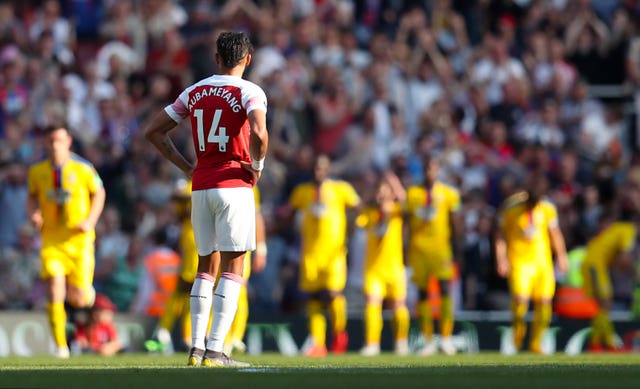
(218,107)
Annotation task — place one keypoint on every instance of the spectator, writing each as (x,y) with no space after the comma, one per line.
(99,335)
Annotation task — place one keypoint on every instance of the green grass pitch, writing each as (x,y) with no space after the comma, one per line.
(484,370)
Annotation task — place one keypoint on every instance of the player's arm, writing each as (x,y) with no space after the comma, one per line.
(259,260)
(559,248)
(457,231)
(96,207)
(158,134)
(33,210)
(259,140)
(500,247)
(33,205)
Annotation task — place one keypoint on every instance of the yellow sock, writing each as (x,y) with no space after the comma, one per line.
(317,323)
(372,323)
(519,311)
(541,320)
(172,310)
(607,331)
(401,323)
(58,323)
(185,319)
(446,317)
(338,314)
(239,324)
(426,319)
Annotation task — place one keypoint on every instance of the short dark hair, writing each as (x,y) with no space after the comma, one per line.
(55,126)
(233,47)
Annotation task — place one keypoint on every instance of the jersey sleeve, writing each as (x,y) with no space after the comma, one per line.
(254,98)
(454,200)
(93,180)
(351,197)
(552,215)
(297,197)
(628,239)
(32,182)
(178,110)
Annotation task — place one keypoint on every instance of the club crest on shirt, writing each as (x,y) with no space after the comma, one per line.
(426,213)
(58,196)
(318,209)
(529,232)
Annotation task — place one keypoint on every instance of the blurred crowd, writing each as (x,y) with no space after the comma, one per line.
(494,88)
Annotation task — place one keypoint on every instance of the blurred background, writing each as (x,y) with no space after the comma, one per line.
(494,88)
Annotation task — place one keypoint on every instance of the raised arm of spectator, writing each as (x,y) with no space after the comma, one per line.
(572,33)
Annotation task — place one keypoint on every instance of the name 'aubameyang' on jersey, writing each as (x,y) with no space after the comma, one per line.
(218,107)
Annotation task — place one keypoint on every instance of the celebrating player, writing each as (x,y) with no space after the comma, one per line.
(435,232)
(228,125)
(528,231)
(66,198)
(323,264)
(384,272)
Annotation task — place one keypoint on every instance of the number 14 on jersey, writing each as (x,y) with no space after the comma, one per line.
(216,134)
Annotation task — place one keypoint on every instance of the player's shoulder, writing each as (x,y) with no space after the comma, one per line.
(444,186)
(39,165)
(547,204)
(80,162)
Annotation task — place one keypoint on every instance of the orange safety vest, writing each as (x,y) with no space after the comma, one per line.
(162,265)
(573,303)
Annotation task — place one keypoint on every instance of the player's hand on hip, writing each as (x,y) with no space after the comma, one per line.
(256,173)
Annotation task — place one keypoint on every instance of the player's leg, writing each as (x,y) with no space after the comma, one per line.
(56,313)
(236,226)
(337,304)
(373,322)
(225,304)
(77,257)
(401,320)
(542,293)
(201,295)
(80,291)
(317,326)
(603,329)
(421,277)
(309,284)
(445,275)
(520,285)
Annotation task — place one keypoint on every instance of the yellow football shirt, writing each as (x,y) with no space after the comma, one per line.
(323,209)
(384,239)
(604,247)
(526,231)
(429,219)
(64,195)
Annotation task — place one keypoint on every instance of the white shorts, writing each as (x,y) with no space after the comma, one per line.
(223,219)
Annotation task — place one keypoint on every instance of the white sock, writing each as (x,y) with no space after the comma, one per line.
(225,304)
(200,300)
